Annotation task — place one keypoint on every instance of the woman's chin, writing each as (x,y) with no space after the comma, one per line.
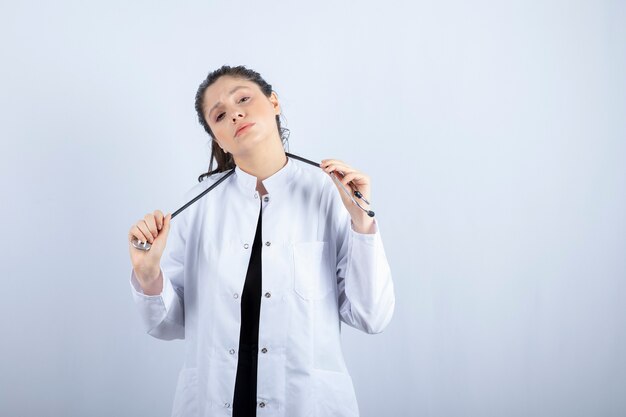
(248,143)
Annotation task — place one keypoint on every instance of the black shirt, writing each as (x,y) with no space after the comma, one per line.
(244,403)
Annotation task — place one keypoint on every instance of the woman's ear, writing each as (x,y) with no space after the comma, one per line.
(275,103)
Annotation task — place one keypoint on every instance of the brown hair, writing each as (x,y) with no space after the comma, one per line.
(225,160)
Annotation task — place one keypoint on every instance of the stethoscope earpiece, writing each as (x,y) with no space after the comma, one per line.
(357,193)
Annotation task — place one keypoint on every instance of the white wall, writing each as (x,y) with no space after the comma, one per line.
(494,135)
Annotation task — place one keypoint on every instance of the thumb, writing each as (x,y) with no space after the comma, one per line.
(166,225)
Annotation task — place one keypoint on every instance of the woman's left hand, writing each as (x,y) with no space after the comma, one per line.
(353,180)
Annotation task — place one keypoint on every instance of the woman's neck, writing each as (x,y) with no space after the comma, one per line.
(263,163)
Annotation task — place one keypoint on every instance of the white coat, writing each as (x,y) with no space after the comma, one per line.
(316,272)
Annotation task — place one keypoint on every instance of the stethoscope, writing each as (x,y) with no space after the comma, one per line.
(146,246)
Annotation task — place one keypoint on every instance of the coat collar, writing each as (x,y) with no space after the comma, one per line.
(272,184)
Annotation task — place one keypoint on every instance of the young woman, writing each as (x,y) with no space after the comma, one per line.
(258,274)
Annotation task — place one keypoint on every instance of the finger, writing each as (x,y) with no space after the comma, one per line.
(337,174)
(151,223)
(158,216)
(329,163)
(345,186)
(141,225)
(356,177)
(339,167)
(332,161)
(351,183)
(326,162)
(359,182)
(166,223)
(360,178)
(138,234)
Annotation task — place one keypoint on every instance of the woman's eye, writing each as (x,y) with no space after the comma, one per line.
(221,114)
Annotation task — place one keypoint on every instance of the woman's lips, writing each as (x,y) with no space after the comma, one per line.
(244,129)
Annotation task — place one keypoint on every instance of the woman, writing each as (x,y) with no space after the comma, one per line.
(258,274)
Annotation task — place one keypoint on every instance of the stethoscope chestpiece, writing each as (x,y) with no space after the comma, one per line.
(146,246)
(140,245)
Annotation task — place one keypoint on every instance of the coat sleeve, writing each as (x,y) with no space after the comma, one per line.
(366,296)
(163,315)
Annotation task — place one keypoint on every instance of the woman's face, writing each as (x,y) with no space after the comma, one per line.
(230,103)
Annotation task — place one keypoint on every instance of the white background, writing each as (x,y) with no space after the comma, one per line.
(494,134)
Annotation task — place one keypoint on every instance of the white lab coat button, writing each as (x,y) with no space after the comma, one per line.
(235,295)
(261,404)
(246,246)
(268,295)
(232,351)
(227,405)
(264,350)
(266,199)
(256,195)
(267,243)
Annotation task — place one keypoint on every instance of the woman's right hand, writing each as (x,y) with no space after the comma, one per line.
(154,228)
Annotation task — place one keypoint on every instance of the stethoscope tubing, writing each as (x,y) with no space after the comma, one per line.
(334,177)
(146,246)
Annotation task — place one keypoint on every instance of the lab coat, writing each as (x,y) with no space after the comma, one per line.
(317,272)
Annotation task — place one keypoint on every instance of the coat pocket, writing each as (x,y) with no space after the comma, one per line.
(312,273)
(334,394)
(186,397)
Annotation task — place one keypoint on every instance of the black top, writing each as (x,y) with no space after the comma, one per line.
(244,403)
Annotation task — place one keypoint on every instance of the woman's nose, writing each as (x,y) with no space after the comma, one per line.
(236,115)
